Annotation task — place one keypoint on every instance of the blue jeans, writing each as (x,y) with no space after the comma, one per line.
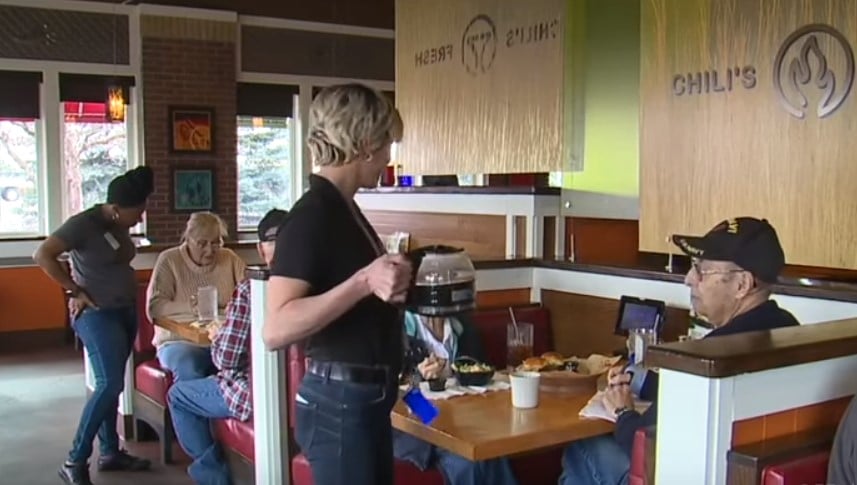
(458,470)
(598,461)
(344,430)
(192,404)
(186,361)
(108,336)
(455,469)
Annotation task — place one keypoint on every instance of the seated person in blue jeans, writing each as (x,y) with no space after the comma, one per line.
(193,403)
(733,269)
(434,342)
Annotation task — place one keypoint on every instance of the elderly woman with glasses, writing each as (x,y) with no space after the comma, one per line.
(199,261)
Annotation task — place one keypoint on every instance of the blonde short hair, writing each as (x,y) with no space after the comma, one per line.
(350,120)
(201,224)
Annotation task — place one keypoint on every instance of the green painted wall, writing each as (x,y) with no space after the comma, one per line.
(612,100)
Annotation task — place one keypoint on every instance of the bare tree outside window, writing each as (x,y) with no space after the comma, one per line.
(19,178)
(94,152)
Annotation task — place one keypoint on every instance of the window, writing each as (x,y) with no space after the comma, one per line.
(20,213)
(94,152)
(264,167)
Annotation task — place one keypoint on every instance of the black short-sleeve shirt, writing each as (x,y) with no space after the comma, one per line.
(322,243)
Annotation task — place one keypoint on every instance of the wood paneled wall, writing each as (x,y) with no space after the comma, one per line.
(602,241)
(482,236)
(724,132)
(456,58)
(614,242)
(585,324)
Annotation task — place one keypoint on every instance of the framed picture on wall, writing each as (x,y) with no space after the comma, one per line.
(191,129)
(192,189)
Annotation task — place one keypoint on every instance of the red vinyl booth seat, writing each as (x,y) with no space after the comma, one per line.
(237,436)
(153,381)
(806,470)
(638,474)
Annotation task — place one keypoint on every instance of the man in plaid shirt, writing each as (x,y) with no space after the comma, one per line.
(195,402)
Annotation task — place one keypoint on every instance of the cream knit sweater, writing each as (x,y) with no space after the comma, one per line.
(176,277)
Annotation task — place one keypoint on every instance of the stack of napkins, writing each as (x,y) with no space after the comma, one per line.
(453,389)
(595,409)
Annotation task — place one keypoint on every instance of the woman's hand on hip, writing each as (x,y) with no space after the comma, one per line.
(77,304)
(389,277)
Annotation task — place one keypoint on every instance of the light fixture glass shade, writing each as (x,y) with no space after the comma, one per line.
(115,104)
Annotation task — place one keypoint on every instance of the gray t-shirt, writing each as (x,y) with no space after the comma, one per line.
(101,255)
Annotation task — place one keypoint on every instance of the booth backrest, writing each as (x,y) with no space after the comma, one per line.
(492,328)
(145,328)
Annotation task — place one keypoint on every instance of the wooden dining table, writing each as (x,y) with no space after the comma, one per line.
(197,335)
(485,426)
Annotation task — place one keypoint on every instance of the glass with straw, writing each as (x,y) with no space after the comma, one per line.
(519,341)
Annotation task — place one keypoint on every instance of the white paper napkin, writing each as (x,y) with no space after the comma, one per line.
(594,409)
(453,389)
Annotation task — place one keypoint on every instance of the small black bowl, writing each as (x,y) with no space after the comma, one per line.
(437,385)
(472,378)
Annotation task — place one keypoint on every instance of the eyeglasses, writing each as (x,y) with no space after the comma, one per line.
(694,265)
(202,243)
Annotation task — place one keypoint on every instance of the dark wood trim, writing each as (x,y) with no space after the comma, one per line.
(158,418)
(241,470)
(157,248)
(757,351)
(804,287)
(31,340)
(744,464)
(257,272)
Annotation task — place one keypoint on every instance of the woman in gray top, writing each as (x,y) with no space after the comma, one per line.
(102,304)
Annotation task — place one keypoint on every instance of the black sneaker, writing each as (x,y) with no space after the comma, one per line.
(122,461)
(75,474)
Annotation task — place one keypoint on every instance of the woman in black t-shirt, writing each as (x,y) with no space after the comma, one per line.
(332,286)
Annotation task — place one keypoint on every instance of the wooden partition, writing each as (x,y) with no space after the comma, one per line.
(748,108)
(482,236)
(717,394)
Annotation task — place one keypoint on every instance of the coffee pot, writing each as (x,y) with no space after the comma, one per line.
(444,281)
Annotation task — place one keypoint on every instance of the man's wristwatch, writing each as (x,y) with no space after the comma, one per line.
(621,410)
(74,293)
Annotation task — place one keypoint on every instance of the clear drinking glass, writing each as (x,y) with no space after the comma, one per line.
(639,340)
(206,304)
(519,343)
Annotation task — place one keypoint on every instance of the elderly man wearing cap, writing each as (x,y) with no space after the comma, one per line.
(226,394)
(733,268)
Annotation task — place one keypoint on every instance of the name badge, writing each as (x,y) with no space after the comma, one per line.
(111,240)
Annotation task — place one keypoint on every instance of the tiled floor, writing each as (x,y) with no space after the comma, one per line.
(41,396)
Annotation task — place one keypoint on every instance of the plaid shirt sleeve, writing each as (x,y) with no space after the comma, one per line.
(231,346)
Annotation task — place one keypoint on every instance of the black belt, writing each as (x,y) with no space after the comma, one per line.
(337,371)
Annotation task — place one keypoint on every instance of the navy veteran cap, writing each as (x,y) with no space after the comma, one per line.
(748,242)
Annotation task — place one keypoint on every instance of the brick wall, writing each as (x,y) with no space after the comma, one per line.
(190,63)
